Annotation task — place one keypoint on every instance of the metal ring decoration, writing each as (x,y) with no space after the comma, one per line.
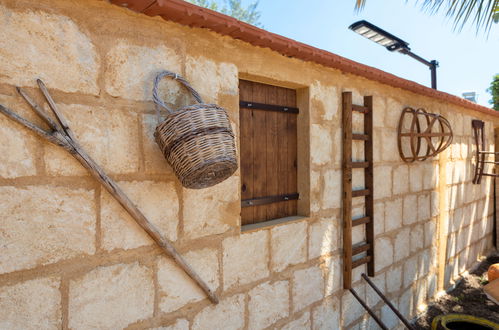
(423,127)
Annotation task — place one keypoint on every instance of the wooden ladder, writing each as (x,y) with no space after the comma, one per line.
(362,252)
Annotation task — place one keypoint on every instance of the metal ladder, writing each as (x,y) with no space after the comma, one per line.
(362,252)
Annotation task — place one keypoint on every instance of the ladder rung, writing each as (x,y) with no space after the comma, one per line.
(360,261)
(358,193)
(360,248)
(360,108)
(360,164)
(360,221)
(363,137)
(489,174)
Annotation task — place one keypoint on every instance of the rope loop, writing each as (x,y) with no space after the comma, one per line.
(155,93)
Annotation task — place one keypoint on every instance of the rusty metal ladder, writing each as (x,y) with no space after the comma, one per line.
(362,252)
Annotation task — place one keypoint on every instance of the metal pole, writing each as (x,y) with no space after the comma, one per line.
(370,311)
(400,316)
(431,64)
(433,69)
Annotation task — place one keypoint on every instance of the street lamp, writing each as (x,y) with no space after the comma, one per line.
(392,43)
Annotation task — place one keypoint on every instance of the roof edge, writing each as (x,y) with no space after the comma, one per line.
(194,16)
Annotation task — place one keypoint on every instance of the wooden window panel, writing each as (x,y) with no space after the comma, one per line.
(268,149)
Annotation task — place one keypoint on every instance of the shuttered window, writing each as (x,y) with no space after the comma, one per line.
(268,145)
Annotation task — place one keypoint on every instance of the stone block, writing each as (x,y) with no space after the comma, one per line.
(177,288)
(430,175)
(332,271)
(331,195)
(245,258)
(416,177)
(131,69)
(328,98)
(327,315)
(154,161)
(267,304)
(358,180)
(158,201)
(357,121)
(358,148)
(288,245)
(358,233)
(18,147)
(228,314)
(379,215)
(390,147)
(394,279)
(216,208)
(383,252)
(308,287)
(393,214)
(382,181)
(372,298)
(111,297)
(429,233)
(303,322)
(210,78)
(45,224)
(351,310)
(410,271)
(424,207)
(424,263)
(315,191)
(388,317)
(379,112)
(435,203)
(110,136)
(323,237)
(410,209)
(68,62)
(321,148)
(417,238)
(181,324)
(406,302)
(400,179)
(402,244)
(393,111)
(31,305)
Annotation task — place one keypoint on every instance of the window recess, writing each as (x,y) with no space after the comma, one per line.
(268,145)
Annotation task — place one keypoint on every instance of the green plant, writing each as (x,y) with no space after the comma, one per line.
(494,91)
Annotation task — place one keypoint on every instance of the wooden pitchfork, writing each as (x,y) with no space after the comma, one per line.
(61,135)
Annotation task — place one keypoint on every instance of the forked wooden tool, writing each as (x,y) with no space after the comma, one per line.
(62,135)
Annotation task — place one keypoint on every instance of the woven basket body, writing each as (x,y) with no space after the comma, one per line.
(198,142)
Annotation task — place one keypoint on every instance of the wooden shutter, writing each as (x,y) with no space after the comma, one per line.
(268,140)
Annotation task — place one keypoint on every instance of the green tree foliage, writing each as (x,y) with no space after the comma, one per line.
(233,8)
(481,13)
(494,91)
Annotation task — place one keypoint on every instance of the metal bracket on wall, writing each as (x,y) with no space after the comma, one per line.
(362,252)
(422,134)
(480,154)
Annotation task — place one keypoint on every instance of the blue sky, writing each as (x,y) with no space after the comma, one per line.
(467,61)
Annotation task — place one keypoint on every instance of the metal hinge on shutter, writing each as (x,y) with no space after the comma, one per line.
(267,107)
(269,200)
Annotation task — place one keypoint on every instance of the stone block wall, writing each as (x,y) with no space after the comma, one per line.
(70,257)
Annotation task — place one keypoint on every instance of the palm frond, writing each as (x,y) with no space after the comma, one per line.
(479,12)
(359,4)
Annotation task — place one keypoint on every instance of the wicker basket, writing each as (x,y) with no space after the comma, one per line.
(197,140)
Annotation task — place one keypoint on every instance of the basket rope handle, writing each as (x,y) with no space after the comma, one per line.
(155,94)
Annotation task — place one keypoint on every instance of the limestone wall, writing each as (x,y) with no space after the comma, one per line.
(70,257)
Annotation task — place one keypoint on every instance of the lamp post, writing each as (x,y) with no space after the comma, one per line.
(392,43)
